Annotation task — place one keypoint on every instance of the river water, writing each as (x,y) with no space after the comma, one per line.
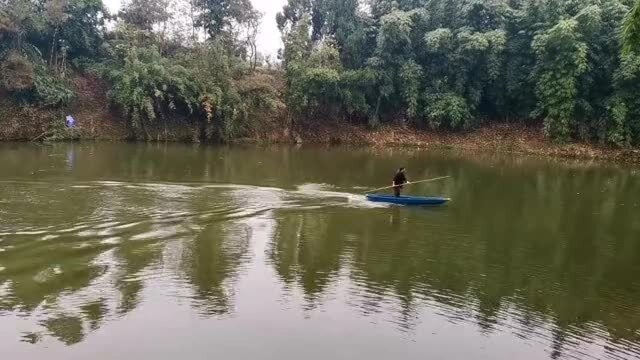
(148,251)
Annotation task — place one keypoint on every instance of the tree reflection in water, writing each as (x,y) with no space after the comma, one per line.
(543,251)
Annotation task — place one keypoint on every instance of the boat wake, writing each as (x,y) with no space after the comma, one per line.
(330,196)
(310,195)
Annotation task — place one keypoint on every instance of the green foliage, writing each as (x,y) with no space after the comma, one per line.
(394,37)
(51,90)
(447,111)
(33,82)
(146,86)
(631,30)
(154,76)
(225,112)
(562,58)
(58,131)
(627,110)
(82,33)
(18,21)
(448,63)
(410,75)
(618,134)
(38,41)
(219,17)
(16,73)
(356,88)
(439,41)
(144,14)
(438,63)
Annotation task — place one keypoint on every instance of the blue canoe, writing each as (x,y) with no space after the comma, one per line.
(408,200)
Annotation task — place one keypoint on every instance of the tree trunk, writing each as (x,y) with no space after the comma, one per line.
(52,55)
(375,120)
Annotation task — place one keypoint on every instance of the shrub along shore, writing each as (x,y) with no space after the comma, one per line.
(547,77)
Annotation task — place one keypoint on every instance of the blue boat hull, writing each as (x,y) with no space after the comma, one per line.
(408,200)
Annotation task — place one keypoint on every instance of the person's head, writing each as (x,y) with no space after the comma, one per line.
(401,170)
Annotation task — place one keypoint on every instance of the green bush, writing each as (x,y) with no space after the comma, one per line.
(452,61)
(16,73)
(51,90)
(447,111)
(146,86)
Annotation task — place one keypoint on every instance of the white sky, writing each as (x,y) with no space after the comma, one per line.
(269,37)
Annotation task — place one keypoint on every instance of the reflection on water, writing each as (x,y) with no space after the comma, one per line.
(532,259)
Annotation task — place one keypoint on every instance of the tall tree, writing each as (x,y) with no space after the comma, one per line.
(144,14)
(456,63)
(631,30)
(222,18)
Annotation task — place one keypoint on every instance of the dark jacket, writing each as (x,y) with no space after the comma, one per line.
(399,179)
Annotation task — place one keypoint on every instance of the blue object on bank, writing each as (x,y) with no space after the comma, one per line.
(70,122)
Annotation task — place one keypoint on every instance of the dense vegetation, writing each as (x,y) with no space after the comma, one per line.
(452,64)
(160,64)
(573,65)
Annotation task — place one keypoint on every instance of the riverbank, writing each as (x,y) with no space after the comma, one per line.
(97,121)
(503,138)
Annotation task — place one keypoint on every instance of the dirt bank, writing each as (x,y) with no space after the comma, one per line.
(96,120)
(20,122)
(506,138)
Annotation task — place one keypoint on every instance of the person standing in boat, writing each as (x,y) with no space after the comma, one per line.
(398,181)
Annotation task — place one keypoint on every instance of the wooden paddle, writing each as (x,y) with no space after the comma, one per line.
(409,183)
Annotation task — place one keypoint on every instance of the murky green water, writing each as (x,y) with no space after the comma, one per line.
(136,251)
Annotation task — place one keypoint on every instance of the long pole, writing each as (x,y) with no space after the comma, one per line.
(410,183)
